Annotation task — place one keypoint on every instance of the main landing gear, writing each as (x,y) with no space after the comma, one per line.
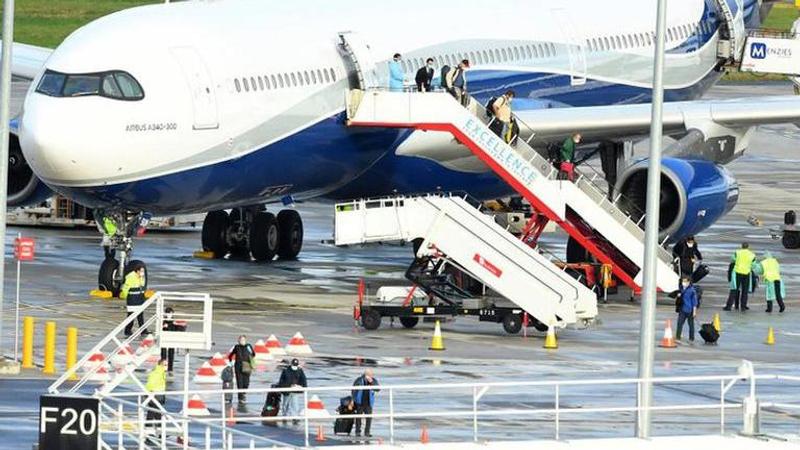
(251,231)
(118,228)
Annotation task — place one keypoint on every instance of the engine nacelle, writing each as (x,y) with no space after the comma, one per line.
(694,195)
(24,188)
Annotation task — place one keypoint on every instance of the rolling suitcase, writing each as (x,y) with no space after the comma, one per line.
(709,333)
(272,406)
(342,426)
(699,273)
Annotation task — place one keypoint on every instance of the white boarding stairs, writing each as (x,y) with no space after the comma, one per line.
(580,208)
(476,243)
(197,336)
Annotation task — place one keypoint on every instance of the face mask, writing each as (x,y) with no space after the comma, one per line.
(169,316)
(685,285)
(430,65)
(295,367)
(242,342)
(690,245)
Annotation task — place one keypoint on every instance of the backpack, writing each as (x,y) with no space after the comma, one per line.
(445,71)
(490,107)
(554,153)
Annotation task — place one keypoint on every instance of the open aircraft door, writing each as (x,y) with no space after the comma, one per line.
(204,100)
(733,34)
(360,58)
(575,47)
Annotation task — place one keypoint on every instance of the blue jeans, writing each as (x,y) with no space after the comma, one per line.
(290,405)
(683,317)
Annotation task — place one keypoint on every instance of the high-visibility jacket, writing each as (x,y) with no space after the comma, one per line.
(132,291)
(772,270)
(109,227)
(743,261)
(157,379)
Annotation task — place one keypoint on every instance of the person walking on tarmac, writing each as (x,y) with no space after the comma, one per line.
(567,167)
(396,75)
(743,262)
(771,271)
(687,255)
(168,324)
(364,400)
(243,353)
(424,77)
(133,293)
(157,385)
(292,376)
(687,308)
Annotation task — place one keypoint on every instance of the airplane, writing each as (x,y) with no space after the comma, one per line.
(233,105)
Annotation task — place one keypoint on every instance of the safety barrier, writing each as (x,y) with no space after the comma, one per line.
(468,402)
(49,350)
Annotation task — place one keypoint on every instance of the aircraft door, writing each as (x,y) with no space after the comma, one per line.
(575,47)
(363,66)
(204,100)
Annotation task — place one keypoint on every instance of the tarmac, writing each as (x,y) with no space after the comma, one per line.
(315,295)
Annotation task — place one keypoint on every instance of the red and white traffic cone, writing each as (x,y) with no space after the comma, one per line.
(298,345)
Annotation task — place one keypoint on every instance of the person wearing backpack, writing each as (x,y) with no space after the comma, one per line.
(425,77)
(243,365)
(502,111)
(292,376)
(457,82)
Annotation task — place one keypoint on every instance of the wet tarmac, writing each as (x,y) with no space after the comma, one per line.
(315,296)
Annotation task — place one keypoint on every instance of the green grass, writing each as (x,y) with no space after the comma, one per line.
(47,22)
(781,17)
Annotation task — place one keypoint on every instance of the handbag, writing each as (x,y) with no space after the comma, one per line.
(247,367)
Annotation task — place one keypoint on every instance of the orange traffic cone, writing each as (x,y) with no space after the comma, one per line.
(424,438)
(320,434)
(231,417)
(668,341)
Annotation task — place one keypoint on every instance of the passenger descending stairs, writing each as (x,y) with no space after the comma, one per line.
(580,208)
(456,230)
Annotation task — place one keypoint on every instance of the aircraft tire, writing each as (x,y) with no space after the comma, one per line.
(106,275)
(215,228)
(264,237)
(290,236)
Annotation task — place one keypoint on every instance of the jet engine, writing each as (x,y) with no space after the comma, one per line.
(24,188)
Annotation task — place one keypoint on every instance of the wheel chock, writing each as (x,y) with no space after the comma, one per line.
(202,254)
(97,293)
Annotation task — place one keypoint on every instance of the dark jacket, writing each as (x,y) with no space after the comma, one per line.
(424,78)
(291,377)
(684,253)
(365,396)
(242,353)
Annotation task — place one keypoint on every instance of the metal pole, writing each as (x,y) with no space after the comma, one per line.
(5,117)
(647,331)
(16,313)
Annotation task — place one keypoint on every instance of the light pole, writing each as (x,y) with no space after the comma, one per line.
(5,117)
(647,331)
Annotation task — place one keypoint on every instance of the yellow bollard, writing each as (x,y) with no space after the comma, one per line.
(72,350)
(49,348)
(27,342)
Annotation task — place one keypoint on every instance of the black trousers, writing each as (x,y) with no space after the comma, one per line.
(778,297)
(129,327)
(364,409)
(738,297)
(154,415)
(169,355)
(242,382)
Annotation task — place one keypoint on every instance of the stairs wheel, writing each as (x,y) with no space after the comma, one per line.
(512,323)
(409,322)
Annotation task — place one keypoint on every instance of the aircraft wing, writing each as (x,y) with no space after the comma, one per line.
(28,60)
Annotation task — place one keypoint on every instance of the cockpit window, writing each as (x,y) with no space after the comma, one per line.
(113,84)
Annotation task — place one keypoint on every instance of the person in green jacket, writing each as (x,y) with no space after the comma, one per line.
(770,270)
(156,384)
(567,166)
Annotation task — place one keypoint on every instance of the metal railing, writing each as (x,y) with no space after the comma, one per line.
(479,413)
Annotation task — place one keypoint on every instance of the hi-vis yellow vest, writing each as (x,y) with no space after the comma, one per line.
(772,271)
(744,261)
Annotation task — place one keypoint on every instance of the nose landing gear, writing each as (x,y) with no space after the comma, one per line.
(251,231)
(118,228)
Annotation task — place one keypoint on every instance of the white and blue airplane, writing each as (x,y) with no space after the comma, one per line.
(207,106)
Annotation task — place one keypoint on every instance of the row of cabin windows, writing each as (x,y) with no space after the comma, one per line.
(284,80)
(677,33)
(491,56)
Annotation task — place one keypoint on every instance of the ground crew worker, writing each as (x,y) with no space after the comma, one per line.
(743,261)
(292,376)
(133,293)
(109,229)
(156,384)
(396,74)
(567,168)
(687,254)
(689,302)
(364,400)
(243,365)
(502,110)
(771,271)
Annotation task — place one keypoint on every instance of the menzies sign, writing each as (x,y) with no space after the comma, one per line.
(771,55)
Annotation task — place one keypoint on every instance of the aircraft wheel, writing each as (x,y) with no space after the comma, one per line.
(107,275)
(215,228)
(290,236)
(409,322)
(264,237)
(238,249)
(512,323)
